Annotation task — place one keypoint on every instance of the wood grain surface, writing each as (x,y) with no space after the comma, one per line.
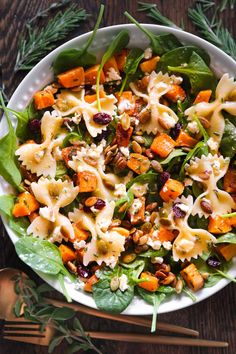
(215,317)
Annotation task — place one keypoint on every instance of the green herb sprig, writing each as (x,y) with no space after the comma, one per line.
(45,12)
(36,310)
(41,41)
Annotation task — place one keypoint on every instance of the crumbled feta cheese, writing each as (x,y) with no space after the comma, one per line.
(56,235)
(177,80)
(79,244)
(98,273)
(57,153)
(158,260)
(124,105)
(136,206)
(123,284)
(169,122)
(148,53)
(183,207)
(103,224)
(193,127)
(93,151)
(120,190)
(124,151)
(139,189)
(188,182)
(167,245)
(213,145)
(165,189)
(185,245)
(112,75)
(155,244)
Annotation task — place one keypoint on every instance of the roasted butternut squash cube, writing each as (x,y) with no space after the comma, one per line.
(176,93)
(230,181)
(72,78)
(25,205)
(203,96)
(165,235)
(43,99)
(67,254)
(88,286)
(137,211)
(171,190)
(184,139)
(149,65)
(87,181)
(162,145)
(121,59)
(192,277)
(219,225)
(228,251)
(80,234)
(111,63)
(151,284)
(90,75)
(138,163)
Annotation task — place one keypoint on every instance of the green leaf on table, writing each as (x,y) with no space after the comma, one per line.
(56,340)
(228,141)
(174,153)
(71,58)
(227,238)
(8,168)
(179,56)
(199,74)
(62,314)
(131,65)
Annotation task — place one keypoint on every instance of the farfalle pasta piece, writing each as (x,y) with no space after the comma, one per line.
(106,245)
(80,164)
(69,102)
(38,158)
(159,85)
(209,170)
(190,243)
(55,231)
(224,101)
(55,194)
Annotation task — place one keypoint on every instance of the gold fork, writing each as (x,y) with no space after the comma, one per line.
(24,331)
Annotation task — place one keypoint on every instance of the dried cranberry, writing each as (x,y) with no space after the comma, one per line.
(100,204)
(83,271)
(35,126)
(128,242)
(164,177)
(86,209)
(174,132)
(102,118)
(178,213)
(213,262)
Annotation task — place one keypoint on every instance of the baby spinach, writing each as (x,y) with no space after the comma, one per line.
(6,204)
(8,168)
(179,56)
(19,225)
(160,44)
(228,141)
(70,58)
(173,154)
(70,138)
(154,299)
(129,198)
(119,42)
(149,177)
(199,74)
(132,62)
(61,170)
(152,253)
(227,238)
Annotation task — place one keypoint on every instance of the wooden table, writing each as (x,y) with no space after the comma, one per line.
(215,317)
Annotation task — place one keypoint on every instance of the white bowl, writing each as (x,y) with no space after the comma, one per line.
(42,74)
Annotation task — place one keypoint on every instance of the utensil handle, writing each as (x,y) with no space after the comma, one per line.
(154,339)
(134,320)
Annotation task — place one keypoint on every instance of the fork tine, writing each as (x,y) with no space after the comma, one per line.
(25,331)
(21,325)
(31,340)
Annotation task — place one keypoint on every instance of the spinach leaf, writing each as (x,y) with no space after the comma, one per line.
(129,198)
(174,153)
(152,253)
(148,139)
(41,255)
(198,223)
(160,44)
(149,177)
(154,299)
(132,62)
(189,293)
(119,42)
(70,58)
(199,74)
(227,238)
(228,141)
(70,138)
(8,168)
(166,290)
(111,301)
(179,56)
(19,225)
(6,204)
(61,169)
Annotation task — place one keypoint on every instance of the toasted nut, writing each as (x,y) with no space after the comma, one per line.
(169,279)
(136,147)
(125,121)
(205,122)
(123,208)
(126,224)
(115,223)
(146,227)
(114,284)
(204,175)
(136,236)
(72,267)
(149,153)
(139,133)
(143,240)
(205,275)
(102,247)
(90,161)
(129,257)
(140,248)
(206,206)
(153,217)
(165,222)
(109,157)
(179,286)
(133,229)
(144,150)
(145,164)
(151,207)
(121,231)
(164,268)
(144,116)
(139,139)
(89,202)
(156,166)
(160,275)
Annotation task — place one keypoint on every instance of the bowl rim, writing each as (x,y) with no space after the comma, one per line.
(132,309)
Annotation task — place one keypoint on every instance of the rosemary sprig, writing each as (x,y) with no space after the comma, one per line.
(45,12)
(213,32)
(41,41)
(36,310)
(155,14)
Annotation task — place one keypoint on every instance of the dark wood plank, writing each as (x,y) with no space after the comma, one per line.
(215,317)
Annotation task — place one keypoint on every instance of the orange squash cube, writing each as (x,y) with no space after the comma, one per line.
(162,145)
(43,99)
(192,277)
(90,75)
(149,65)
(87,181)
(219,225)
(67,254)
(184,139)
(151,284)
(171,190)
